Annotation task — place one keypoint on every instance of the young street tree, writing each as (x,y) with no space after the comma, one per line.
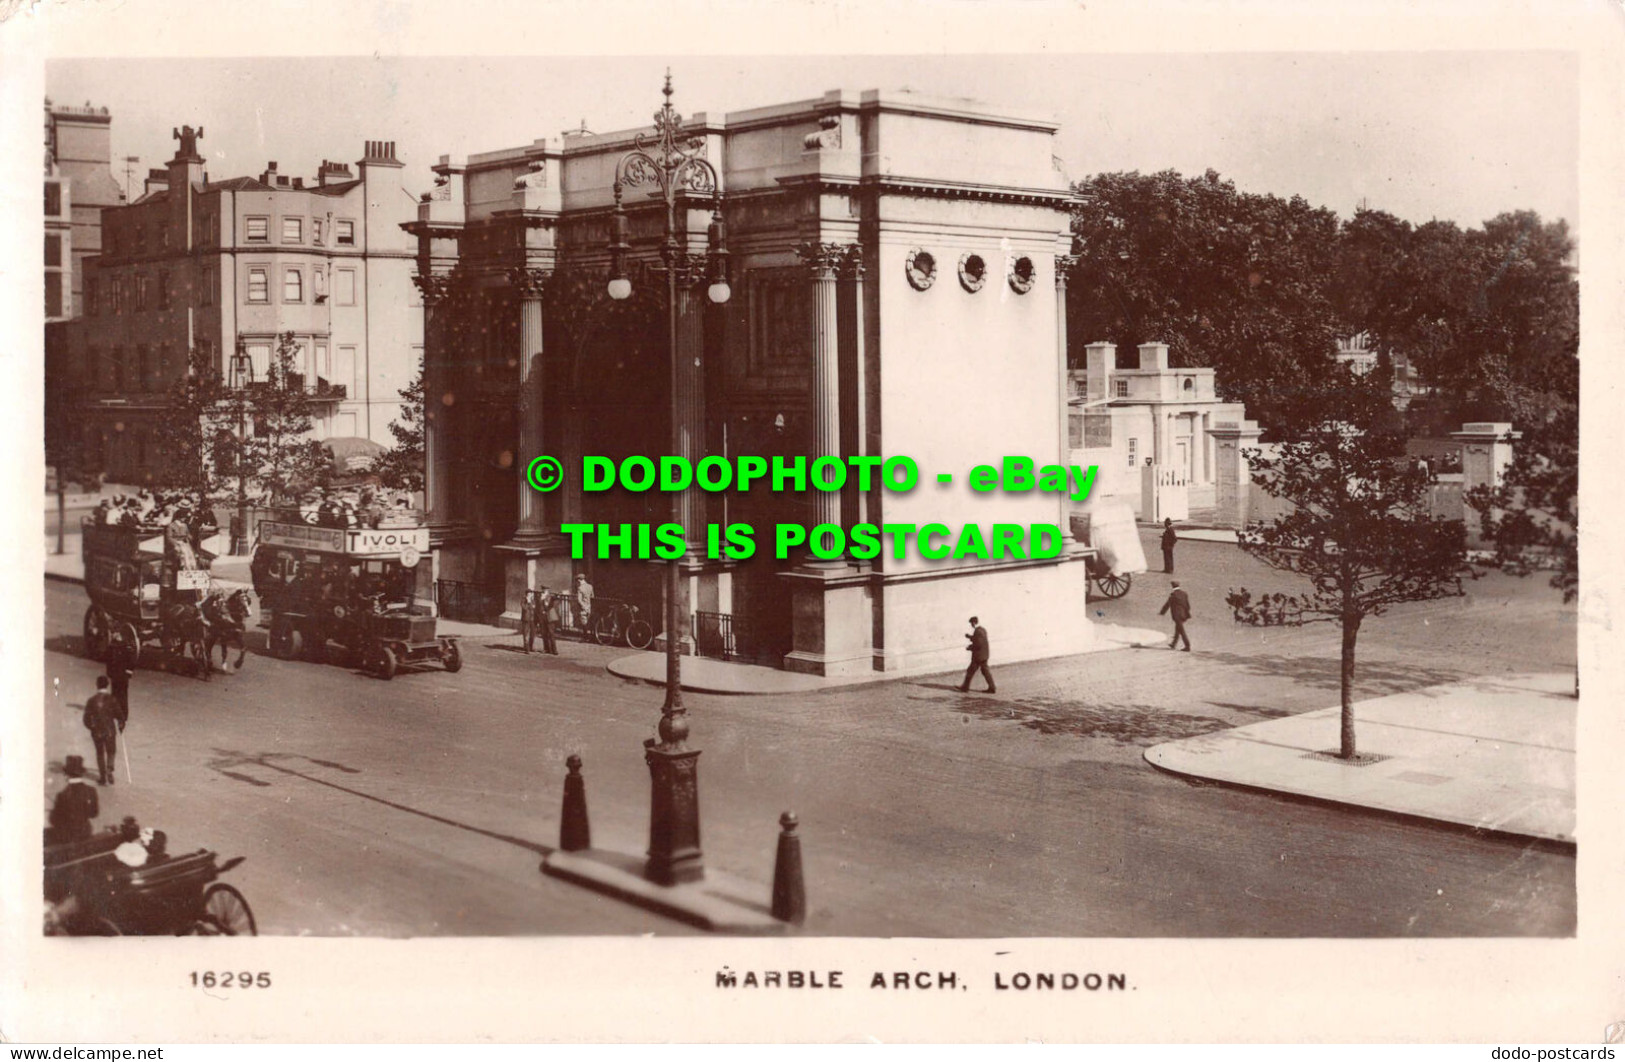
(1533,518)
(184,430)
(401,466)
(279,452)
(1359,530)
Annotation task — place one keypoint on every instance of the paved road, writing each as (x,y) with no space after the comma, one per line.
(422,806)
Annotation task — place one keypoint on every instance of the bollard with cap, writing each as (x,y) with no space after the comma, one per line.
(574,834)
(789,891)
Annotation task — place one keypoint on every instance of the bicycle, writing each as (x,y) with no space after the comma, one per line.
(622,625)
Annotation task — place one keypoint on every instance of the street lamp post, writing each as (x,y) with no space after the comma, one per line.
(243,373)
(674,165)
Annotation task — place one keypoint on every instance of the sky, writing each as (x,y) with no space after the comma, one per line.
(1461,136)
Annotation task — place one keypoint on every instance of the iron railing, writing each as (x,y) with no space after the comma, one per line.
(714,635)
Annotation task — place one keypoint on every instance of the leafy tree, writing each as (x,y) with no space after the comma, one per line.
(1533,518)
(1229,280)
(401,466)
(282,457)
(1359,530)
(184,429)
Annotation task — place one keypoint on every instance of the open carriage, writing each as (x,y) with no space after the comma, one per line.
(1116,555)
(348,594)
(91,893)
(145,596)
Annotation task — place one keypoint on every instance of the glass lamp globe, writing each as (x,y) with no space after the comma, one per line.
(620,288)
(719,292)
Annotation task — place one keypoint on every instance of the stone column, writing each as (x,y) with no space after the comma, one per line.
(529,285)
(1232,483)
(1063,262)
(437,473)
(824,261)
(854,273)
(1486,451)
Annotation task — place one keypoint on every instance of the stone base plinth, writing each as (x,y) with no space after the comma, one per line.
(1031,612)
(833,619)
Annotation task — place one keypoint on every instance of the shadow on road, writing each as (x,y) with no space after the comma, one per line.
(1325,672)
(226,759)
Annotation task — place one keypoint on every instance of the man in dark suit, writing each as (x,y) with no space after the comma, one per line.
(105,716)
(74,807)
(978,657)
(546,602)
(1168,540)
(1178,605)
(120,666)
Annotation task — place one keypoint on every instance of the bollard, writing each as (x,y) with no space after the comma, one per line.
(573,832)
(789,891)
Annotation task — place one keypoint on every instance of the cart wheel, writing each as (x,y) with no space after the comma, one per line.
(607,630)
(97,635)
(639,635)
(383,662)
(296,644)
(106,927)
(226,912)
(132,638)
(451,656)
(1114,585)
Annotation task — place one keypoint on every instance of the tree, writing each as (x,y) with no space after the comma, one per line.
(279,452)
(1359,530)
(1229,280)
(184,429)
(401,466)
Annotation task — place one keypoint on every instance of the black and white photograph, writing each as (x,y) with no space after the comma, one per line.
(715,515)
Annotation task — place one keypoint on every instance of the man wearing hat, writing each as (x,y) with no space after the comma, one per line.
(1178,606)
(74,807)
(979,655)
(105,718)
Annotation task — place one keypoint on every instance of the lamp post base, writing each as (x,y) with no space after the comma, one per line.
(674,815)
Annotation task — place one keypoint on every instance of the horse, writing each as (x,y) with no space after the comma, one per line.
(228,620)
(186,634)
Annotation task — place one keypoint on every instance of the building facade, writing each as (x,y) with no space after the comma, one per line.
(1149,430)
(78,186)
(200,264)
(896,291)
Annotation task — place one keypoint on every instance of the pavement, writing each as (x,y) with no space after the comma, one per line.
(1494,754)
(704,675)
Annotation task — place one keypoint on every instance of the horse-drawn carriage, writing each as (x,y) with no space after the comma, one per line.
(90,892)
(337,594)
(1115,554)
(142,591)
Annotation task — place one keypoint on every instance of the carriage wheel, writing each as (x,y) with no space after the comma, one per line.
(199,654)
(106,927)
(383,662)
(608,629)
(1113,584)
(639,635)
(97,635)
(452,657)
(226,912)
(132,638)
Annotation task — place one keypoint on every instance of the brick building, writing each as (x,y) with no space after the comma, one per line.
(201,263)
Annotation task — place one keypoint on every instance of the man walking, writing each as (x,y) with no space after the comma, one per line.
(584,604)
(1178,606)
(978,657)
(74,807)
(1168,540)
(105,716)
(120,666)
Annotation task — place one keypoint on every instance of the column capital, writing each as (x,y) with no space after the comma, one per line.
(529,281)
(436,287)
(825,260)
(1064,264)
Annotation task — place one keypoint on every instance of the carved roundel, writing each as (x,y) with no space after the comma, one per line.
(1022,275)
(972,271)
(922,268)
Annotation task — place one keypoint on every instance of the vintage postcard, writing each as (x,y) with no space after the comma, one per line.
(913,522)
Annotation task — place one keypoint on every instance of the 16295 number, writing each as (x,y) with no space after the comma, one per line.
(231,979)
